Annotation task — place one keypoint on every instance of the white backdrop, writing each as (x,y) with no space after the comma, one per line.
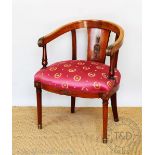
(33,19)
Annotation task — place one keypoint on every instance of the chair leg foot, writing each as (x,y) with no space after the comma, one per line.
(39,126)
(72,104)
(105,140)
(116,119)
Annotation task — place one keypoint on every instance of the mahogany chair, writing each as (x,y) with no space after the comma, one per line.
(90,78)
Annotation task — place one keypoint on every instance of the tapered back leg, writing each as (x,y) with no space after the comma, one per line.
(72,104)
(114,107)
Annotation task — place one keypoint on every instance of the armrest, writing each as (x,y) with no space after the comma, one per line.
(111,49)
(51,36)
(47,38)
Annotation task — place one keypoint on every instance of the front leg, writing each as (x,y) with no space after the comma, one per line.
(39,106)
(105,120)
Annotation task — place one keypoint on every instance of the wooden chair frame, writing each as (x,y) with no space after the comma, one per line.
(111,51)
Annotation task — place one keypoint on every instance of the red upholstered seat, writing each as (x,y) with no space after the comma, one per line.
(78,76)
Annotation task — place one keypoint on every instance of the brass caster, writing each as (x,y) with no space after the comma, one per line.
(105,140)
(116,119)
(39,126)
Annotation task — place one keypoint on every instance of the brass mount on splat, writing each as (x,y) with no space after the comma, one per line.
(97,47)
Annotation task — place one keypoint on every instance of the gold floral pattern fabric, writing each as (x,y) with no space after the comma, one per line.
(79,76)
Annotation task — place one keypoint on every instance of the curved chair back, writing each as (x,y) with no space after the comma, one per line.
(98,37)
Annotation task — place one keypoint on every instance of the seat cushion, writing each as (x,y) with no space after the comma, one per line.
(78,76)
